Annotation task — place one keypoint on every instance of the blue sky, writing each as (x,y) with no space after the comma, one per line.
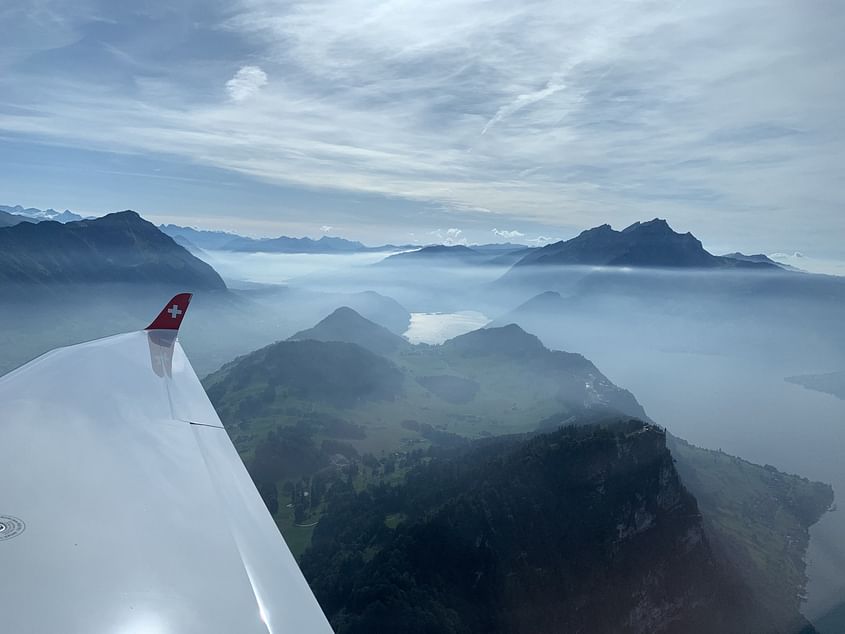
(411,120)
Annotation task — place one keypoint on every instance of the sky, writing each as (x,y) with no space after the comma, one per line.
(424,120)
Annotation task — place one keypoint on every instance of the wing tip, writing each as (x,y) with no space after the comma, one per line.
(171,316)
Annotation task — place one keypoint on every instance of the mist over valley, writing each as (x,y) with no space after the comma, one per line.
(362,376)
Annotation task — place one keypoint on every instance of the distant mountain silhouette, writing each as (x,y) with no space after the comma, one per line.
(643,244)
(199,238)
(10,220)
(511,257)
(224,241)
(42,214)
(436,254)
(831,383)
(758,258)
(189,246)
(458,255)
(120,247)
(346,325)
(284,244)
(548,303)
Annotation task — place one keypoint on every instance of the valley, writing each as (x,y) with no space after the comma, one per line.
(338,396)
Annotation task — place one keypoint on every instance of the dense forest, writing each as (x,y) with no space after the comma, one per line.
(584,529)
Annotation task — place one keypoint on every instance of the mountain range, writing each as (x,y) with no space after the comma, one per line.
(221,240)
(501,255)
(832,383)
(643,244)
(758,258)
(10,220)
(191,237)
(41,214)
(388,446)
(552,528)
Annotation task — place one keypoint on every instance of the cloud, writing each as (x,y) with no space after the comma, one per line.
(449,237)
(502,233)
(811,264)
(246,83)
(543,113)
(522,101)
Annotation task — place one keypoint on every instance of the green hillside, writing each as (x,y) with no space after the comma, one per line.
(497,381)
(322,425)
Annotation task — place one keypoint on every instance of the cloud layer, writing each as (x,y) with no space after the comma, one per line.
(723,116)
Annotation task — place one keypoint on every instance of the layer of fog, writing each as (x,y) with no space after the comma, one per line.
(705,353)
(282,268)
(433,287)
(810,264)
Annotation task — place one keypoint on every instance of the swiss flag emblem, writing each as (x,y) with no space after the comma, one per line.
(170,317)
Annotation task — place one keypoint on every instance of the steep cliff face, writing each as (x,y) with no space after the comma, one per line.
(584,530)
(758,519)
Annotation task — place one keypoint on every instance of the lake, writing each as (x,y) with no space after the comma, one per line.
(436,328)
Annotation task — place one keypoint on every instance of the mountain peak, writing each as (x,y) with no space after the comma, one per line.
(509,340)
(343,313)
(657,225)
(126,216)
(119,247)
(346,325)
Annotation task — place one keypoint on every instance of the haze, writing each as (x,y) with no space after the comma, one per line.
(487,279)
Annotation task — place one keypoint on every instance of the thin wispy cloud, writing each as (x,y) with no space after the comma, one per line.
(723,116)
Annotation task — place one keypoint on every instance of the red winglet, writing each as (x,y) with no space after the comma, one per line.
(170,318)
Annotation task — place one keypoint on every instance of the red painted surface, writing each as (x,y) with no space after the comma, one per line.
(170,318)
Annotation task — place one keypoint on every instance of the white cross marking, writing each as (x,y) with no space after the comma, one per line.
(174,311)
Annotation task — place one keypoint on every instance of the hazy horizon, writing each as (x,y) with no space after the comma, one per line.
(398,122)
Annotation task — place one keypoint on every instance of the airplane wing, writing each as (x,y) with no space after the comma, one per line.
(124,507)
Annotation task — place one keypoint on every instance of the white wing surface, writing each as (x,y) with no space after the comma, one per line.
(124,507)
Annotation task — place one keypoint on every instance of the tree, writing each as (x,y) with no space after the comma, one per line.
(270,494)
